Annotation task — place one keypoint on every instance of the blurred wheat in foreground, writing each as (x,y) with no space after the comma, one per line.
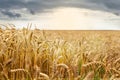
(59,55)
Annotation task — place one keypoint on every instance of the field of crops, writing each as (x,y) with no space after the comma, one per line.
(59,55)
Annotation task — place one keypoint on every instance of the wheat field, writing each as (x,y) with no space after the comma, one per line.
(27,54)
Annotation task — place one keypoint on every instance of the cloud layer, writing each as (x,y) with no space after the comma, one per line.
(33,7)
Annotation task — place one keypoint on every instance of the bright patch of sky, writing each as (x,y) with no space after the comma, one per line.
(68,18)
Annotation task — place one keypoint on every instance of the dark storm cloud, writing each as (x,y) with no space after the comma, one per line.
(108,5)
(37,6)
(11,14)
(33,6)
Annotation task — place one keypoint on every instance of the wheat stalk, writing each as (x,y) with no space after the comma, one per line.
(23,70)
(45,76)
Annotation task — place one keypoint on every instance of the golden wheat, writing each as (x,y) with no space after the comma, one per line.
(58,55)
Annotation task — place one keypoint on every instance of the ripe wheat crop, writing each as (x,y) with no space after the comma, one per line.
(43,55)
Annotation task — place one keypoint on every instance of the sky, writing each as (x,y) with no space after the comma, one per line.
(62,14)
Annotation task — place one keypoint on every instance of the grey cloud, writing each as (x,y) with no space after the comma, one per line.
(10,14)
(112,6)
(32,12)
(33,6)
(38,6)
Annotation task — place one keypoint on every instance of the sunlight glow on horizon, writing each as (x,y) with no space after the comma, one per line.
(69,19)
